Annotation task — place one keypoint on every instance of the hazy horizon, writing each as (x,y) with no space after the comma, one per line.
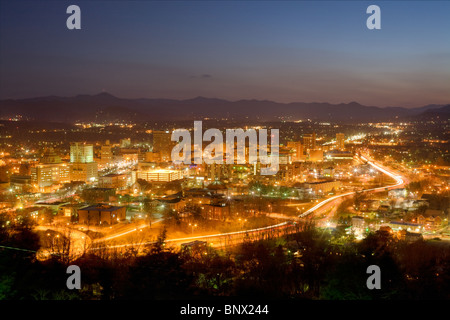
(288,51)
(218,98)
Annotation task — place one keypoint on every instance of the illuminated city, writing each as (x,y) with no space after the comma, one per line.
(89,180)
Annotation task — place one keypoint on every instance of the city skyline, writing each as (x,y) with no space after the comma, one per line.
(279,51)
(251,156)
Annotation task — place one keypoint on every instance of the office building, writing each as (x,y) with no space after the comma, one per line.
(340,137)
(309,141)
(161,175)
(84,168)
(51,170)
(81,152)
(106,155)
(297,147)
(113,180)
(163,144)
(125,143)
(101,215)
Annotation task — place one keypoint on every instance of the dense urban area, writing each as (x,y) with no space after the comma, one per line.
(108,198)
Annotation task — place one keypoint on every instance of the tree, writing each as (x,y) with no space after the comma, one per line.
(62,246)
(158,246)
(358,198)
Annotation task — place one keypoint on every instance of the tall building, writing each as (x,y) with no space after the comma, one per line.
(340,137)
(298,150)
(81,152)
(106,155)
(163,144)
(50,170)
(309,141)
(125,143)
(84,168)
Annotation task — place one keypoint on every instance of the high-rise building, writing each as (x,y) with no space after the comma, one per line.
(163,144)
(81,152)
(106,155)
(309,141)
(298,150)
(125,143)
(84,168)
(340,137)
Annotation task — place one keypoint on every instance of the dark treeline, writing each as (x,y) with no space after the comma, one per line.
(311,264)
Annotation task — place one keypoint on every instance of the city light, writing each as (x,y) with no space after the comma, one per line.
(191,162)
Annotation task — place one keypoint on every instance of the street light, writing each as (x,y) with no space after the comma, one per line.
(242,221)
(192,227)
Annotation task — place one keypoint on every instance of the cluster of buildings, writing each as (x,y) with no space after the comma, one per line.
(307,149)
(51,171)
(405,218)
(89,164)
(317,188)
(108,168)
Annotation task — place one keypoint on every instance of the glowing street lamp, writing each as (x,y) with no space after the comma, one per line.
(192,227)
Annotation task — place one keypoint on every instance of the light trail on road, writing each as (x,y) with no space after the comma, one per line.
(125,233)
(397,178)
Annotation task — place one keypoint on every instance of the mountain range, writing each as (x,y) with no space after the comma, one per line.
(106,107)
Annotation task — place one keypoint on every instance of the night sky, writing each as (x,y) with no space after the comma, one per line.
(282,51)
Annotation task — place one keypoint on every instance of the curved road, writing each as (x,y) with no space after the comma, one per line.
(237,236)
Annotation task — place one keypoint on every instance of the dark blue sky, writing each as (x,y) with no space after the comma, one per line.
(282,51)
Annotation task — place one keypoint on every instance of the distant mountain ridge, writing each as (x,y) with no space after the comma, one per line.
(106,107)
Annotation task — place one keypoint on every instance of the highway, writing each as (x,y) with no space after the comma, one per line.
(80,244)
(222,239)
(397,178)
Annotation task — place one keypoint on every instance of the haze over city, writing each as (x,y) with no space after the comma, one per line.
(225,157)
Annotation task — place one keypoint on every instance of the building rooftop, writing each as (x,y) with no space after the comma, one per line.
(217,185)
(102,207)
(401,223)
(54,203)
(335,152)
(170,200)
(114,175)
(320,182)
(99,189)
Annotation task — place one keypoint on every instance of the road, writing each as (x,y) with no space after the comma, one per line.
(333,202)
(236,237)
(223,239)
(79,242)
(126,230)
